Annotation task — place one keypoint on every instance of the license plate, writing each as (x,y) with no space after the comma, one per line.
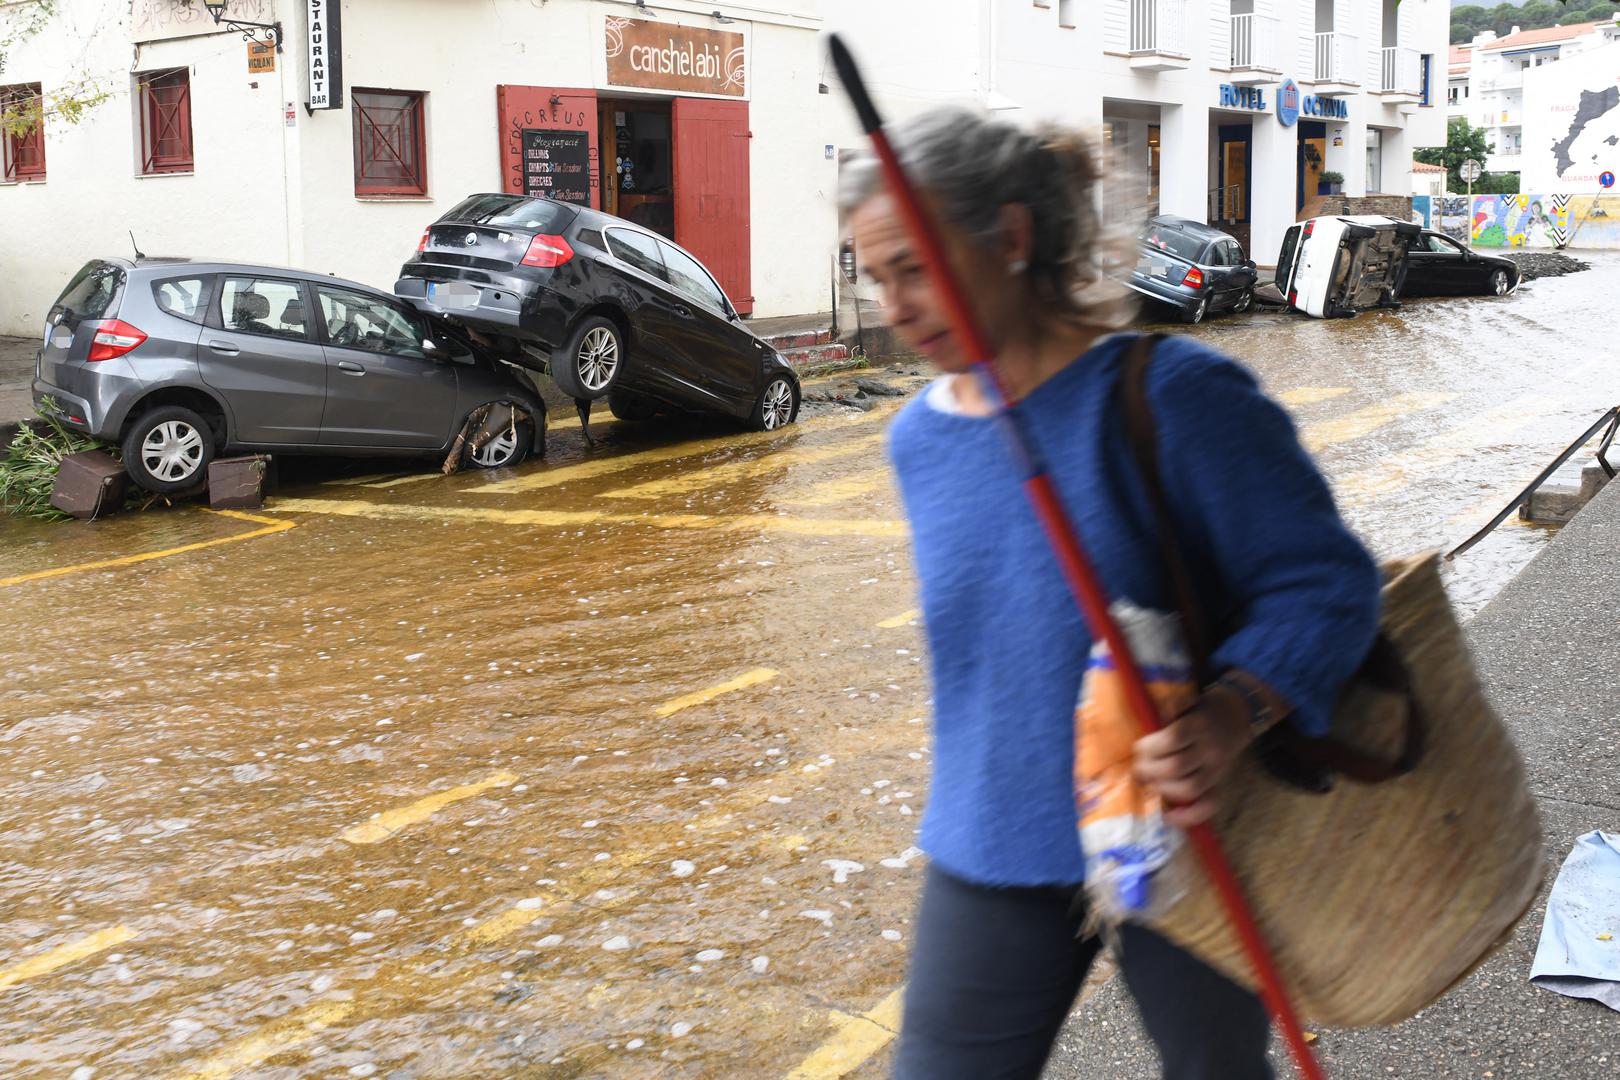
(453,294)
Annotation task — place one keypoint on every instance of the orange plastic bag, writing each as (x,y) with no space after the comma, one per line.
(1123,835)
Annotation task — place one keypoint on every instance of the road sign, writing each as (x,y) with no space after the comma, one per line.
(1470,170)
(1606,179)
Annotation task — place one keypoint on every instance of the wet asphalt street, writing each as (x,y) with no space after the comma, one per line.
(608,765)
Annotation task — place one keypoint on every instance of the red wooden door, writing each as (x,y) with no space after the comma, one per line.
(711,191)
(545,108)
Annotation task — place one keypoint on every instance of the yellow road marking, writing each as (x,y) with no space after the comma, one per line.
(585,470)
(401,481)
(285,1034)
(390,822)
(829,492)
(270,526)
(901,619)
(63,955)
(743,470)
(741,682)
(1310,395)
(569,518)
(856,1040)
(1449,446)
(1363,421)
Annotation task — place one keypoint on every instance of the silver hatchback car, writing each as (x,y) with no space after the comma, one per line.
(177,360)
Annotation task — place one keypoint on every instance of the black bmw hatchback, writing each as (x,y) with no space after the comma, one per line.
(610,309)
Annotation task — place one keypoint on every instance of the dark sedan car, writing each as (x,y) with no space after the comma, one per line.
(611,309)
(177,360)
(1437,265)
(1193,267)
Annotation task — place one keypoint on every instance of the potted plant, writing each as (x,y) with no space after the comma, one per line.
(1330,183)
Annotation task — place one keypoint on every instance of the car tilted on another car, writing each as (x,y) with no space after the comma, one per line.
(179,360)
(1193,268)
(610,309)
(1334,266)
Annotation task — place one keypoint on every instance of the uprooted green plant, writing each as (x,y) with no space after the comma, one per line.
(28,471)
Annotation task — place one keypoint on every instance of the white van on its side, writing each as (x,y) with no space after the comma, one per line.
(1336,266)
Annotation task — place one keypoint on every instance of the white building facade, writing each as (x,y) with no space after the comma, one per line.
(1230,110)
(719,123)
(1497,75)
(700,118)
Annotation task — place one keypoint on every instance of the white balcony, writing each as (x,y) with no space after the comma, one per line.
(1338,64)
(1401,75)
(1158,35)
(1506,161)
(1255,56)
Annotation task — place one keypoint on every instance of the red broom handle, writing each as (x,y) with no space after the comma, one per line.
(1076,567)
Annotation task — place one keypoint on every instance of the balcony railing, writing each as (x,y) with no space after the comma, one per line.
(1254,43)
(1402,71)
(1336,58)
(1158,26)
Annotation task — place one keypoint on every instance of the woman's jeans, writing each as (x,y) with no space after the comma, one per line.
(995,971)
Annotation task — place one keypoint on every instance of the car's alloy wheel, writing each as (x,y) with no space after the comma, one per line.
(1500,283)
(598,359)
(777,405)
(172,451)
(499,451)
(167,450)
(1244,301)
(1195,314)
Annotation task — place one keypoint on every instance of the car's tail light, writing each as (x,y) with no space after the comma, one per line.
(1310,226)
(1195,278)
(547,250)
(1293,297)
(113,340)
(421,246)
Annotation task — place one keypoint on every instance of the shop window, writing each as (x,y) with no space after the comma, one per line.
(1427,67)
(164,100)
(24,154)
(389,148)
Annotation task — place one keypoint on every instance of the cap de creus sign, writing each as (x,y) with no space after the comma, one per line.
(647,55)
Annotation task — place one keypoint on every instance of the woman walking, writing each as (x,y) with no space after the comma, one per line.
(1000,950)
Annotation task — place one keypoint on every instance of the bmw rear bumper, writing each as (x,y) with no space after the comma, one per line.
(511,307)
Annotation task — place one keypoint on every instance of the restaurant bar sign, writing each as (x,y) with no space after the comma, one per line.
(324,19)
(646,55)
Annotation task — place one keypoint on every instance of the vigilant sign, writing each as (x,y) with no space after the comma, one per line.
(646,55)
(325,22)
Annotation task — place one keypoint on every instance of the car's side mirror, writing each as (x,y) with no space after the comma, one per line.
(1249,264)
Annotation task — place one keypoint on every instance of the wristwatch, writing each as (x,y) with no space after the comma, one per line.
(1261,717)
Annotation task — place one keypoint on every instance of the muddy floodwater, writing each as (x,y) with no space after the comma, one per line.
(609,765)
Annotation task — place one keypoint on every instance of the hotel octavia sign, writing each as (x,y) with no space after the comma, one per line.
(647,55)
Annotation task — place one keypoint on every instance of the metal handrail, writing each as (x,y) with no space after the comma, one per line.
(1612,418)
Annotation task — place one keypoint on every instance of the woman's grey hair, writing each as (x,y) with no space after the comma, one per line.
(972,165)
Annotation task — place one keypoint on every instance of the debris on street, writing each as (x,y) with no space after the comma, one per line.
(1540,264)
(1577,956)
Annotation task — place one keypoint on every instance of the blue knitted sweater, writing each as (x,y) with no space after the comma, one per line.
(1275,566)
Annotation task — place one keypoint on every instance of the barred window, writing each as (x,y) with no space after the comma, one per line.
(23,149)
(165,109)
(389,147)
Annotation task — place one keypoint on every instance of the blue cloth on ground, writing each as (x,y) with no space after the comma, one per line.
(1573,959)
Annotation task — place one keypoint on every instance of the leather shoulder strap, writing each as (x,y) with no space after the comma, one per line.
(1141,436)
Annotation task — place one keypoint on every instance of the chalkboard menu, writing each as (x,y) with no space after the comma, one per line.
(557,165)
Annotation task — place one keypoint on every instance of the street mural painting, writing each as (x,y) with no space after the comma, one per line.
(1453,217)
(1423,210)
(1520,221)
(1594,221)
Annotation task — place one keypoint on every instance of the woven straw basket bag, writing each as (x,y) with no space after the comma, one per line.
(1376,897)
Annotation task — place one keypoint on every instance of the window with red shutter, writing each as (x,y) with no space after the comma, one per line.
(23,152)
(389,147)
(165,108)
